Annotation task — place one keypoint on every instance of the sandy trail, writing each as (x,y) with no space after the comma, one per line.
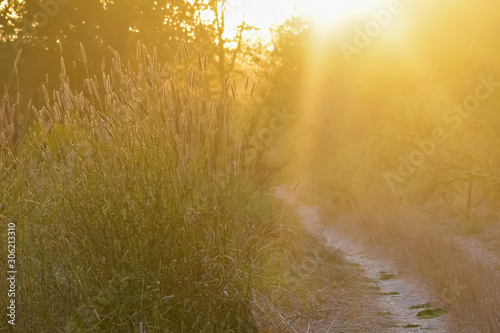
(396,294)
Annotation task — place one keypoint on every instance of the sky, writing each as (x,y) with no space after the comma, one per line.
(264,13)
(260,13)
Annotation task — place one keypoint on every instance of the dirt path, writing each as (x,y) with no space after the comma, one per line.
(399,297)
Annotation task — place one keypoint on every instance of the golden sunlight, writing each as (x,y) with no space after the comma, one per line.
(264,14)
(332,12)
(260,14)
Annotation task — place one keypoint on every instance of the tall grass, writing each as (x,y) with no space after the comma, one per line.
(132,205)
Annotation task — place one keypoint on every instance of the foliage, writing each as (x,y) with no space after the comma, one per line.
(283,64)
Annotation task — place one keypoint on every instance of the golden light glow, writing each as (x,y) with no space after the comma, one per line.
(263,14)
(333,12)
(260,14)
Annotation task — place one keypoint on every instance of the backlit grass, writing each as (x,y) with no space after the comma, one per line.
(132,204)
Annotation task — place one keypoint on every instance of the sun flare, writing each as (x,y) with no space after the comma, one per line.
(332,12)
(263,14)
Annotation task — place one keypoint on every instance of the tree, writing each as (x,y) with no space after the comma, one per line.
(283,64)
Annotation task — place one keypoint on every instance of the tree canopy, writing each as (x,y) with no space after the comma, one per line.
(47,30)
